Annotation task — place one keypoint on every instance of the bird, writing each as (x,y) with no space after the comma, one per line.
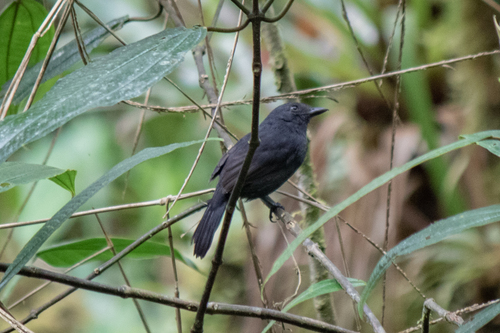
(282,150)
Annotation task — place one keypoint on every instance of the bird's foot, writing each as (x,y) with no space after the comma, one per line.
(274,210)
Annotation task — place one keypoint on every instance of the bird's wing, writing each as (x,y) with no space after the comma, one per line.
(219,166)
(266,161)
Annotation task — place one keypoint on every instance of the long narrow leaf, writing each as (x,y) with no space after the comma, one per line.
(434,233)
(69,254)
(321,288)
(64,213)
(374,184)
(123,74)
(62,59)
(18,173)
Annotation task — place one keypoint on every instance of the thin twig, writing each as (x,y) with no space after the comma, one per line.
(125,278)
(158,202)
(149,18)
(297,271)
(136,139)
(255,259)
(338,86)
(101,23)
(235,193)
(14,324)
(280,15)
(229,30)
(78,36)
(177,294)
(346,269)
(11,91)
(391,39)
(214,116)
(314,250)
(395,121)
(50,51)
(360,51)
(163,109)
(468,309)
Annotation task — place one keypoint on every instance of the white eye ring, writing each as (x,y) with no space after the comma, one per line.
(294,108)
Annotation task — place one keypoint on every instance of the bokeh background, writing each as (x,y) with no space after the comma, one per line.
(350,146)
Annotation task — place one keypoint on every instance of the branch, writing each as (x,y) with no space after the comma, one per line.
(213,308)
(339,86)
(313,250)
(235,193)
(280,15)
(34,314)
(158,202)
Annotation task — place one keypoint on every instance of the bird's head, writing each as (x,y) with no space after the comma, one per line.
(293,112)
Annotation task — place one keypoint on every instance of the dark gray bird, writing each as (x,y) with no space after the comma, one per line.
(282,149)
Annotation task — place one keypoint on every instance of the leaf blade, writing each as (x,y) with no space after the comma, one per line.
(17,173)
(62,59)
(428,236)
(123,74)
(68,254)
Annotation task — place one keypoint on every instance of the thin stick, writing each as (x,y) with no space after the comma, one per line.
(360,51)
(177,294)
(235,193)
(11,91)
(122,271)
(50,51)
(214,116)
(159,202)
(343,85)
(395,120)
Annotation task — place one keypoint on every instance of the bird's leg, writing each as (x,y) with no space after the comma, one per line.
(273,207)
(274,210)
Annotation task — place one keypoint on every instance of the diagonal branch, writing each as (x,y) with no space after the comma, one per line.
(314,251)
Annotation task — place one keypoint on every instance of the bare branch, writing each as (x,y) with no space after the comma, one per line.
(212,308)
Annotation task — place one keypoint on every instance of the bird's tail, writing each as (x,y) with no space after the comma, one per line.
(204,234)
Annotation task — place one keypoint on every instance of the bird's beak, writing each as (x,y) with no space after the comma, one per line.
(317,111)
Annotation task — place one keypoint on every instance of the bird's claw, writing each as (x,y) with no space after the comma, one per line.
(274,210)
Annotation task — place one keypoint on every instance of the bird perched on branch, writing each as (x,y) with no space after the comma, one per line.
(282,149)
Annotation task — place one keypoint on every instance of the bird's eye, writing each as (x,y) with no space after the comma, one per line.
(294,107)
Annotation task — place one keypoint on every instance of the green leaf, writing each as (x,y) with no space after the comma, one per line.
(321,288)
(432,234)
(18,22)
(30,249)
(18,173)
(125,73)
(62,59)
(466,140)
(480,319)
(492,145)
(66,180)
(69,254)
